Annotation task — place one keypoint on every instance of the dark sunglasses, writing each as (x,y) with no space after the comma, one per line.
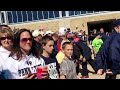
(3,38)
(26,39)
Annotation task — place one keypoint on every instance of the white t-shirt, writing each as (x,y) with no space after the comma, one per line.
(4,53)
(16,69)
(52,66)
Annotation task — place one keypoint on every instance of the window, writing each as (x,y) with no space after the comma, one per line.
(29,15)
(40,16)
(3,18)
(83,12)
(77,12)
(35,17)
(19,15)
(10,19)
(89,11)
(14,16)
(96,11)
(51,14)
(45,13)
(63,14)
(56,13)
(71,13)
(24,16)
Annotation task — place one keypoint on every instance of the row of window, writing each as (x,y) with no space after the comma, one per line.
(72,13)
(25,16)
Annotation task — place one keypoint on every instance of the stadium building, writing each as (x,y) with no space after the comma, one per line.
(53,20)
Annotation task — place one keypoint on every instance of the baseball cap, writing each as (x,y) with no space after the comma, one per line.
(47,32)
(36,33)
(62,31)
(42,33)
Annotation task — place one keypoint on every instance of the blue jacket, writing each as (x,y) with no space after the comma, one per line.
(102,57)
(114,55)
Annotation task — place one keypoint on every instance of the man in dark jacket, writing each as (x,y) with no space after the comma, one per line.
(86,53)
(107,59)
(103,34)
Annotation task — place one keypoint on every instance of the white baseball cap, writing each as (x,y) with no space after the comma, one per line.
(62,31)
(42,33)
(47,32)
(35,33)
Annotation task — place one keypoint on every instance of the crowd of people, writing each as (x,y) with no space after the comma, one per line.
(60,53)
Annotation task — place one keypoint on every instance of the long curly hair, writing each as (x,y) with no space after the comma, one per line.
(16,50)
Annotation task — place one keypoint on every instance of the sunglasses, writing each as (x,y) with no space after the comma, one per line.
(3,38)
(26,39)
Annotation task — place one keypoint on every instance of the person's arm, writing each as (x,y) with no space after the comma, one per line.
(101,57)
(58,68)
(85,50)
(63,70)
(30,76)
(62,77)
(94,51)
(93,48)
(114,56)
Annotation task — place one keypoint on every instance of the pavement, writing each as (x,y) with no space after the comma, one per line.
(92,75)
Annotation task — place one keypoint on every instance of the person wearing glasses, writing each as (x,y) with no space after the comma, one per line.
(24,58)
(6,37)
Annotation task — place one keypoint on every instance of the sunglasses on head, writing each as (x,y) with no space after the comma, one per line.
(26,39)
(3,38)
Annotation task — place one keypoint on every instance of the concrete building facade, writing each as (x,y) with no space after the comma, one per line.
(75,22)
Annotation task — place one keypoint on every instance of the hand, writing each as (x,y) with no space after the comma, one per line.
(100,72)
(94,55)
(109,72)
(30,76)
(78,77)
(84,60)
(76,62)
(81,57)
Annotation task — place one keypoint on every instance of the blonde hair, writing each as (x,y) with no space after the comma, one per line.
(7,31)
(66,43)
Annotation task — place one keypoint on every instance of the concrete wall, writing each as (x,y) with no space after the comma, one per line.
(70,22)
